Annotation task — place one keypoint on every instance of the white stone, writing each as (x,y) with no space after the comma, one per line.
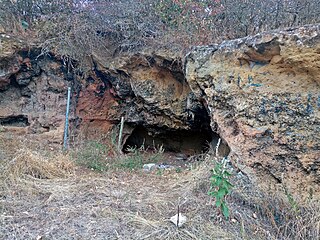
(149,167)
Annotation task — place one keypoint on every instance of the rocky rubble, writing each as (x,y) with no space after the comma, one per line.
(263,93)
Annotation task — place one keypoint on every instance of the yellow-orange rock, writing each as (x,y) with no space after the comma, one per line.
(263,93)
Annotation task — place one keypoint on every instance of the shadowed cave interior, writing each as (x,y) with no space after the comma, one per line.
(189,142)
(15,121)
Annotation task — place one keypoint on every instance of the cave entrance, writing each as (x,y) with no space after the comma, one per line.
(15,121)
(188,142)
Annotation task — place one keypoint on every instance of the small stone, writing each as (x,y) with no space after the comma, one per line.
(149,167)
(182,220)
(181,156)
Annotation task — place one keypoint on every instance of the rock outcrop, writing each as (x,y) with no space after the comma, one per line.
(146,89)
(149,90)
(32,90)
(263,93)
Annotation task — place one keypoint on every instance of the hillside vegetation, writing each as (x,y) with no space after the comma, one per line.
(80,28)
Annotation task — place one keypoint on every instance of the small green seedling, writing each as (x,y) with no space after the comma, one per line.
(293,203)
(220,187)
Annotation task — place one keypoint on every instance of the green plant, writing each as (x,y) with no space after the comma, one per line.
(114,136)
(157,154)
(220,186)
(293,203)
(160,171)
(92,155)
(133,160)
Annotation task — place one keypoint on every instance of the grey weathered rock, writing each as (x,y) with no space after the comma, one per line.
(263,94)
(30,97)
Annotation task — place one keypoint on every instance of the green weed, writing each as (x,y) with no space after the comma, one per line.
(293,203)
(157,155)
(160,171)
(103,157)
(220,186)
(92,155)
(137,157)
(133,160)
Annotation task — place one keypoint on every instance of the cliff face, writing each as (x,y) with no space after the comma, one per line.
(148,89)
(263,93)
(32,90)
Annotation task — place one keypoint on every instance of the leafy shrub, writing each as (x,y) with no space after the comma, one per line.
(220,186)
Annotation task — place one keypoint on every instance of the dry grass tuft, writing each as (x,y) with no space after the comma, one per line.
(31,163)
(265,214)
(304,224)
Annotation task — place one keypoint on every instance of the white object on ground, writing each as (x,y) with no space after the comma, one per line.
(149,167)
(182,220)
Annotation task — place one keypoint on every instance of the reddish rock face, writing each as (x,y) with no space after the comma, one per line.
(97,110)
(148,90)
(263,93)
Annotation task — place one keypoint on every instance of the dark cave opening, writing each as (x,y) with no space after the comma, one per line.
(15,121)
(189,142)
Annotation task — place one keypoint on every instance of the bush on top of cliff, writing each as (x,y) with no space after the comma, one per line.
(82,28)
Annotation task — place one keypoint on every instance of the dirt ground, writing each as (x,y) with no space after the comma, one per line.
(77,203)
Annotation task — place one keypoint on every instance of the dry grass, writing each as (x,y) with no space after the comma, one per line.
(116,206)
(137,205)
(32,163)
(273,214)
(18,160)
